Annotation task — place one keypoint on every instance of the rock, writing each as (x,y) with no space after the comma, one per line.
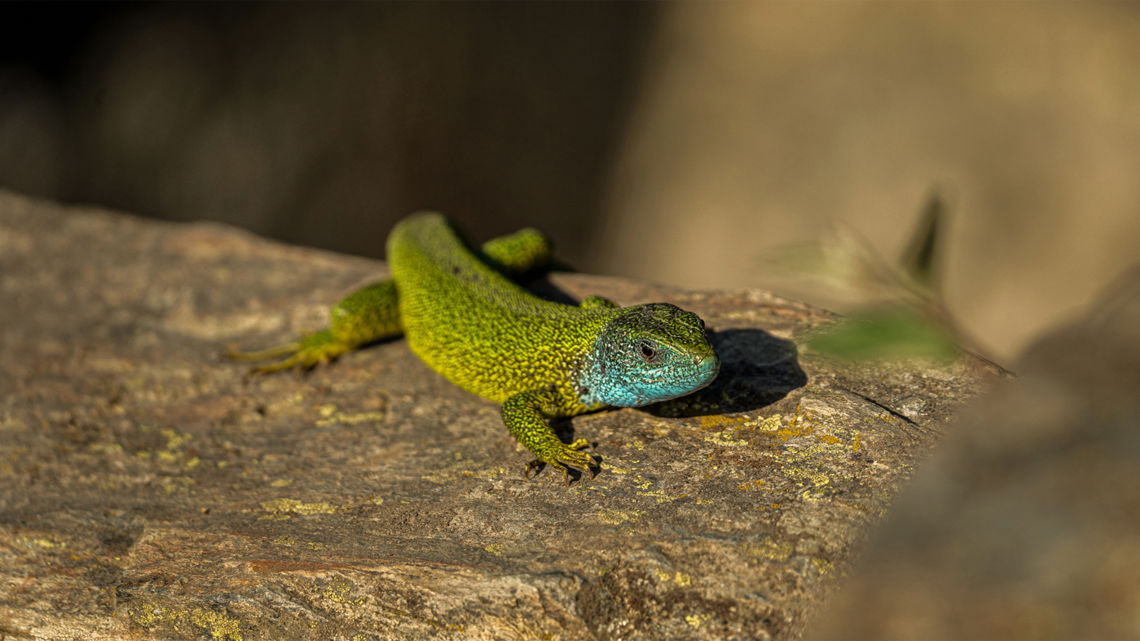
(150,489)
(1027,523)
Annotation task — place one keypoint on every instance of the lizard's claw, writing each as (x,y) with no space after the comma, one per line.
(532,467)
(567,457)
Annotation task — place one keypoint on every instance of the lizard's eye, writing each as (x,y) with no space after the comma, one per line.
(647,352)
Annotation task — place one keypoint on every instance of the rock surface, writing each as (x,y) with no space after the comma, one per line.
(149,489)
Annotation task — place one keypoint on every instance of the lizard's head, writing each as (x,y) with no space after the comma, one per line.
(650,353)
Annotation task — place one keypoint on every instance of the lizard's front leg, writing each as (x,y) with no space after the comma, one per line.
(525,416)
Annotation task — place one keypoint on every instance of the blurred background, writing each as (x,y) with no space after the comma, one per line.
(678,143)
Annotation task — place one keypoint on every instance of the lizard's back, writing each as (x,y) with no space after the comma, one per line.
(480,330)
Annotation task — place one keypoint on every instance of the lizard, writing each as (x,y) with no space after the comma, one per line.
(539,359)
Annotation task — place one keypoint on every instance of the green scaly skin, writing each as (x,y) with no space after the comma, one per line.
(539,359)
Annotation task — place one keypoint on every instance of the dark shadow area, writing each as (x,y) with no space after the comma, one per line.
(539,284)
(323,125)
(756,370)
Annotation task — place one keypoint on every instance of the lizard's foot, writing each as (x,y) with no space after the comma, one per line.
(566,457)
(311,350)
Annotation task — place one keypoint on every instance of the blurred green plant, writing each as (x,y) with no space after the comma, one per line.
(907,317)
(885,332)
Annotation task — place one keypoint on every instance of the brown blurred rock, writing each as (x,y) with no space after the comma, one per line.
(1027,524)
(148,489)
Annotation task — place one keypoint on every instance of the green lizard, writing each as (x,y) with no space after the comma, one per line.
(486,334)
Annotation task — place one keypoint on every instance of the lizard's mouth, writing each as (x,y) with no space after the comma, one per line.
(704,372)
(709,368)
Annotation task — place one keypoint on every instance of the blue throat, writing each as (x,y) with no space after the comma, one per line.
(604,382)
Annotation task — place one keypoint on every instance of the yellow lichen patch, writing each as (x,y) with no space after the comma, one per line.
(358,417)
(439,477)
(617,517)
(613,469)
(769,550)
(41,542)
(174,439)
(823,566)
(176,484)
(808,468)
(214,624)
(815,478)
(803,423)
(282,506)
(696,620)
(147,617)
(315,546)
(219,626)
(731,430)
(331,415)
(770,424)
(338,590)
(281,483)
(107,448)
(721,421)
(660,496)
(815,460)
(494,548)
(172,452)
(753,485)
(678,577)
(725,438)
(284,539)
